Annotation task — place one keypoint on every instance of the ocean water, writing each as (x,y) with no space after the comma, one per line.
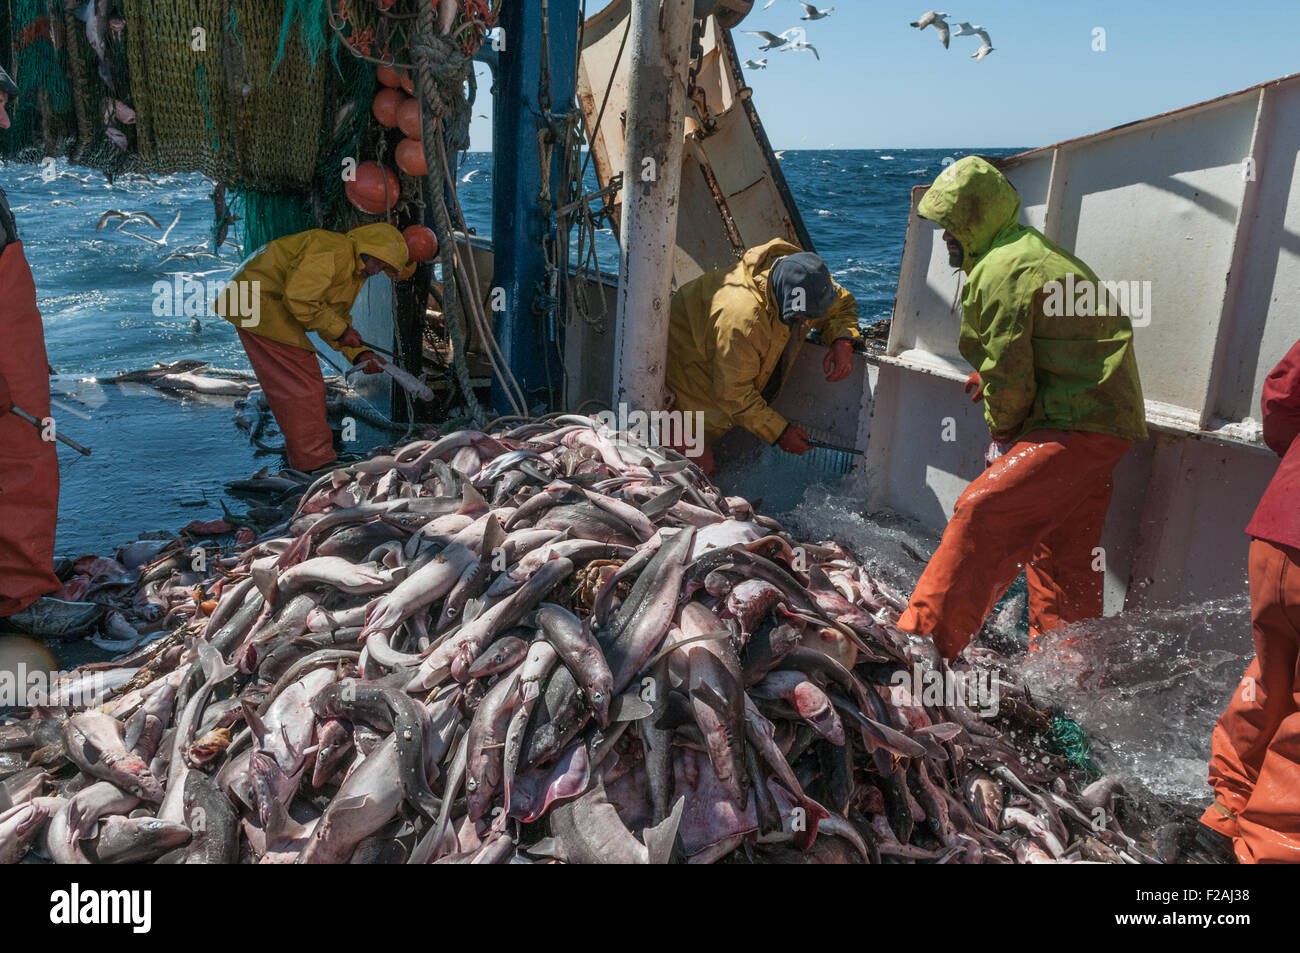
(854,203)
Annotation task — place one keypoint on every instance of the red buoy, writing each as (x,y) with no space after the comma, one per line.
(410,157)
(375,190)
(408,117)
(386,105)
(421,243)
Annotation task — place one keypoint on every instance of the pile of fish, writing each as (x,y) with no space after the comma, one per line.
(548,644)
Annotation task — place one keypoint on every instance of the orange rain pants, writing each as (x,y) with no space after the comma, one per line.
(1255,749)
(29,466)
(1040,506)
(295,391)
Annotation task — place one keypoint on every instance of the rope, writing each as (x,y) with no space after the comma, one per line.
(618,58)
(433,57)
(497,360)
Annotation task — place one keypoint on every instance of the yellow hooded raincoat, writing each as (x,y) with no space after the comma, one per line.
(726,337)
(308,282)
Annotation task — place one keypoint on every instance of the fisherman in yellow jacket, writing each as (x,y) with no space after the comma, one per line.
(729,328)
(300,283)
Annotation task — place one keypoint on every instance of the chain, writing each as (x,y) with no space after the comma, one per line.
(694,92)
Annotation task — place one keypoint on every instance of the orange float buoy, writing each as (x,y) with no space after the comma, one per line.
(421,243)
(375,190)
(408,82)
(408,117)
(410,157)
(388,76)
(387,101)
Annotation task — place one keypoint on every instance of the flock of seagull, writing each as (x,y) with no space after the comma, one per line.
(793,38)
(940,23)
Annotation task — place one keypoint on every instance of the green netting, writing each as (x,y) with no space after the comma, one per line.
(43,116)
(310,15)
(1067,738)
(267,216)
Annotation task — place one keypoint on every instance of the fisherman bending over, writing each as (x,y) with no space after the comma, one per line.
(1063,404)
(29,466)
(729,328)
(300,283)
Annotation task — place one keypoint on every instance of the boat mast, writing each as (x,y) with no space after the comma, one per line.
(652,165)
(535,75)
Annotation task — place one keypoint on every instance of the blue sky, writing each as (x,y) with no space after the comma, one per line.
(881,83)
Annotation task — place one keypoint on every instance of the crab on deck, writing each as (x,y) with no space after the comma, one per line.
(591,577)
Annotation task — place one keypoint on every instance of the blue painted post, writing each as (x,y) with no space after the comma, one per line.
(528,338)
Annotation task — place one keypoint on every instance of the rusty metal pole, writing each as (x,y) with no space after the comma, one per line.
(652,172)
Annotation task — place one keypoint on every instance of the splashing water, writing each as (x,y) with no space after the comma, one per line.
(1147,685)
(1147,689)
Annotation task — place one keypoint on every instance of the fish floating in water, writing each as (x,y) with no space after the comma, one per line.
(548,644)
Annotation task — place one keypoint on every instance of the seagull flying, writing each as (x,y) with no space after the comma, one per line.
(965,29)
(127,218)
(982,52)
(771,41)
(801,45)
(939,23)
(812,13)
(756,64)
(983,34)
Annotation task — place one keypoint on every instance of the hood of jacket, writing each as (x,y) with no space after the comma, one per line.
(975,202)
(383,241)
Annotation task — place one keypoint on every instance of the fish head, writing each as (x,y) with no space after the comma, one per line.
(600,695)
(156,834)
(502,654)
(133,777)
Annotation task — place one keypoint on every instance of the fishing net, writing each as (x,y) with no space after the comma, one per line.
(311,19)
(347,109)
(101,97)
(1068,739)
(211,96)
(43,119)
(266,216)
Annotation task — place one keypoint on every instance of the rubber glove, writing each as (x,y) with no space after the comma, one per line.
(974,381)
(839,361)
(369,362)
(351,338)
(793,440)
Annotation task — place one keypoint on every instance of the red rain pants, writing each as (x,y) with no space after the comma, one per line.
(29,466)
(1255,749)
(1040,507)
(295,391)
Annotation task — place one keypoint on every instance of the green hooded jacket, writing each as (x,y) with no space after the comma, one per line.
(1043,362)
